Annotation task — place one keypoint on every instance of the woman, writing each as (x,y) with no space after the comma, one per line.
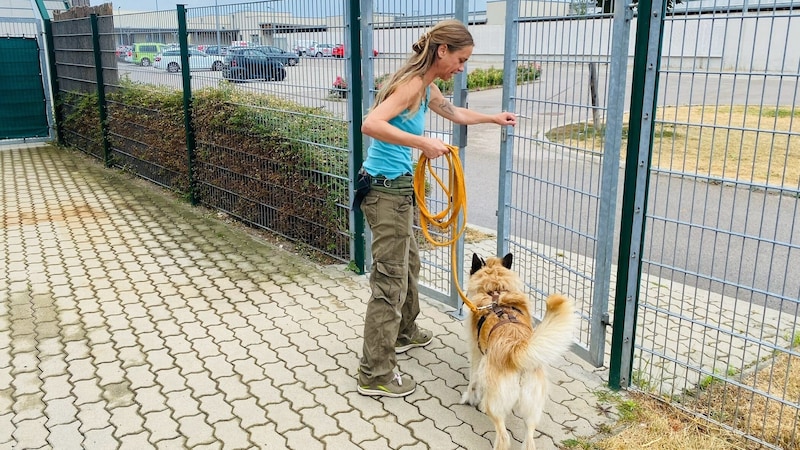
(396,123)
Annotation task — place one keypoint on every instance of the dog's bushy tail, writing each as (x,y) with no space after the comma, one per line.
(553,336)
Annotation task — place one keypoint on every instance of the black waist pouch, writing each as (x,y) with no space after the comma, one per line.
(362,187)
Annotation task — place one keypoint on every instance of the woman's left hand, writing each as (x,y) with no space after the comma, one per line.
(505,118)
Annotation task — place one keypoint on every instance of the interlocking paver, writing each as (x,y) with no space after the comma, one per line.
(100,439)
(249,412)
(140,440)
(283,416)
(170,380)
(302,439)
(30,433)
(216,408)
(231,433)
(196,430)
(161,426)
(93,416)
(65,436)
(149,399)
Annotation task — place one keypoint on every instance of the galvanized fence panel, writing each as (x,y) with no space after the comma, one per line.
(718,332)
(262,138)
(77,96)
(558,185)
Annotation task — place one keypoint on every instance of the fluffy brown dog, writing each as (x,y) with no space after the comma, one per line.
(509,357)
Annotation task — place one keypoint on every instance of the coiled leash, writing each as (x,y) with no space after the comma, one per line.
(456,193)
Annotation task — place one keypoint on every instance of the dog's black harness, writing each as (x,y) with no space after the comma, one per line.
(504,315)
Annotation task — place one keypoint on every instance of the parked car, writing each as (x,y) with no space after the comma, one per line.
(170,61)
(302,46)
(338,51)
(248,63)
(143,53)
(320,50)
(279,54)
(122,52)
(215,50)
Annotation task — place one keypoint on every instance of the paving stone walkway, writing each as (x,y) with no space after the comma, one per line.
(129,319)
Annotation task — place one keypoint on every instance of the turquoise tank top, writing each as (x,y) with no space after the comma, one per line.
(392,160)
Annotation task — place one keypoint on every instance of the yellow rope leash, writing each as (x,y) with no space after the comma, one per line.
(456,193)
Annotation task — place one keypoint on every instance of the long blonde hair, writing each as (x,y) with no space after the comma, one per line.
(452,33)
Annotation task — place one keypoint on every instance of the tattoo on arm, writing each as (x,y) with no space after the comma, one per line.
(447,108)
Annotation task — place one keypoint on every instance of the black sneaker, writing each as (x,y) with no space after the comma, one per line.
(398,386)
(421,338)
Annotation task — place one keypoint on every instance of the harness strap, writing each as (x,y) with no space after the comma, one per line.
(502,313)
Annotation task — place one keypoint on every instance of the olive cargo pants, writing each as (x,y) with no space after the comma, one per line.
(394,303)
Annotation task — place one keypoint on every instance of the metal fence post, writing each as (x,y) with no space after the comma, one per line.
(646,65)
(187,101)
(355,111)
(506,145)
(606,216)
(58,111)
(460,141)
(101,89)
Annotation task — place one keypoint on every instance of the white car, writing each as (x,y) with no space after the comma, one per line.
(170,60)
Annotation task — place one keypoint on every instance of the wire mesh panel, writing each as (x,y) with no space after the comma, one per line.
(273,152)
(266,141)
(554,182)
(73,42)
(718,324)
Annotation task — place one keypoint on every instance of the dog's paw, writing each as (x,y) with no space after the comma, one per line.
(470,397)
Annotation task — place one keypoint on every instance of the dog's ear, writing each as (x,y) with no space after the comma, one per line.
(477,263)
(507,261)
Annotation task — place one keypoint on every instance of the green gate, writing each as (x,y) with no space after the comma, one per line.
(23,107)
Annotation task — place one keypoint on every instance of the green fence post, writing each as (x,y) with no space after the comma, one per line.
(58,112)
(354,99)
(187,101)
(101,90)
(646,63)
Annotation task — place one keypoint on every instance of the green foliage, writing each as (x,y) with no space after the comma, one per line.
(81,122)
(480,79)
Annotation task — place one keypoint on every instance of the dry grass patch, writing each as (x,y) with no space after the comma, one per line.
(750,410)
(750,144)
(649,422)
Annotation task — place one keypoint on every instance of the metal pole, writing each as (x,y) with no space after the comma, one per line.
(188,124)
(646,64)
(355,11)
(460,141)
(606,218)
(158,23)
(101,89)
(216,13)
(506,144)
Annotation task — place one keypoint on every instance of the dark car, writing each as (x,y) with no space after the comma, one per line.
(279,54)
(251,64)
(215,50)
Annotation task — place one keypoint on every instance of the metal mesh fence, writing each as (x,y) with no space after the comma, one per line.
(555,179)
(718,326)
(267,139)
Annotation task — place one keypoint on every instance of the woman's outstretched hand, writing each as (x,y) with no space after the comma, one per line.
(505,118)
